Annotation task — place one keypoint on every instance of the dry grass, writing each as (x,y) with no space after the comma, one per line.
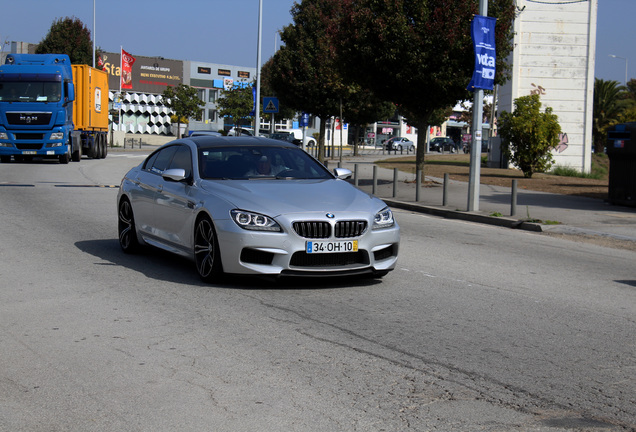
(457,166)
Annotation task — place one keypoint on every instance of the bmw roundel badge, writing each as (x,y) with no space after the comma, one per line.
(330,215)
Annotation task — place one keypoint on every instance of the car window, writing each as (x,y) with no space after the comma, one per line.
(182,159)
(158,162)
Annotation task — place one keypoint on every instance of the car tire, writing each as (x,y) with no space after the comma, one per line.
(207,255)
(126,227)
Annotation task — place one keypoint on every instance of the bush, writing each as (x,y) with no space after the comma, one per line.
(529,135)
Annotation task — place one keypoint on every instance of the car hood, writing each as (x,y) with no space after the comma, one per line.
(275,197)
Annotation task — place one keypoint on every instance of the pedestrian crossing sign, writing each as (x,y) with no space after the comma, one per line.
(270,105)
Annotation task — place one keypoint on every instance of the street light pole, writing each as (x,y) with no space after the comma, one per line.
(257,104)
(622,58)
(475,148)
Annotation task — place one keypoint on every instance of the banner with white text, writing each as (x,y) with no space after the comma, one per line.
(483,33)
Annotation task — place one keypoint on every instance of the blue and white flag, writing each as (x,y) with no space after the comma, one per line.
(483,33)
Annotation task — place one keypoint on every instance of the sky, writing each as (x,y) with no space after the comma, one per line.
(226,31)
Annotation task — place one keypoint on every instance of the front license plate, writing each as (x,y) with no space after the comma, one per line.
(314,247)
(29,152)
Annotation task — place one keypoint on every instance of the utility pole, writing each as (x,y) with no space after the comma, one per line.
(257,104)
(475,149)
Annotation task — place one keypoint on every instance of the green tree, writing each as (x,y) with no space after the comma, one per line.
(608,106)
(183,101)
(528,135)
(284,111)
(362,107)
(238,103)
(68,36)
(417,53)
(303,73)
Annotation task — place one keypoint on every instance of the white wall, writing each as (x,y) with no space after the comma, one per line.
(555,44)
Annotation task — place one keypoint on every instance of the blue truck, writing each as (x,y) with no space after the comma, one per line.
(52,109)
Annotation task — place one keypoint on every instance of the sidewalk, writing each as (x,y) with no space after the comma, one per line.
(536,211)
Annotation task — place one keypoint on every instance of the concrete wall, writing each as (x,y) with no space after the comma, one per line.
(555,43)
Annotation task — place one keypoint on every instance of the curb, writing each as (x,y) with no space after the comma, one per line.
(467,216)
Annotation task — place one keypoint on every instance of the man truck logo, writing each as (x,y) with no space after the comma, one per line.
(28,119)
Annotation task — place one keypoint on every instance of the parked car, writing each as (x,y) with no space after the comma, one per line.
(240,131)
(442,144)
(285,136)
(399,144)
(309,139)
(204,133)
(254,206)
(468,145)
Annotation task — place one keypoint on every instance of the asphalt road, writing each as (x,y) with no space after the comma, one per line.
(478,328)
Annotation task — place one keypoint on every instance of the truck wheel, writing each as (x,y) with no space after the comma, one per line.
(66,156)
(105,140)
(76,156)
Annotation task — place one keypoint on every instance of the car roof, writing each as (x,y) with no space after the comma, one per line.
(222,141)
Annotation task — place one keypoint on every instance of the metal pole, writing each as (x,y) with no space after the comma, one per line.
(395,180)
(445,192)
(418,180)
(375,178)
(93,33)
(257,109)
(355,175)
(513,199)
(475,150)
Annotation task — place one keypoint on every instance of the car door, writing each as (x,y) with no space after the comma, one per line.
(174,203)
(149,181)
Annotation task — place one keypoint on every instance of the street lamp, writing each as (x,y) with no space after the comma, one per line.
(622,58)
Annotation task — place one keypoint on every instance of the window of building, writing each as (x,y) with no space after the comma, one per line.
(212,95)
(201,94)
(212,115)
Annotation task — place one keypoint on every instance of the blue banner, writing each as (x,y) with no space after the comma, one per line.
(482,30)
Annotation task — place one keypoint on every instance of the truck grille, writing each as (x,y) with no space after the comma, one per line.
(322,230)
(29,118)
(28,146)
(29,136)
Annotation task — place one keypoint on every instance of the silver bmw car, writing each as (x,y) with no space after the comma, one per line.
(247,205)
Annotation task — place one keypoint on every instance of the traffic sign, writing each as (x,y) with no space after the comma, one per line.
(270,105)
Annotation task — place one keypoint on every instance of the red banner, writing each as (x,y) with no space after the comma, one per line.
(126,69)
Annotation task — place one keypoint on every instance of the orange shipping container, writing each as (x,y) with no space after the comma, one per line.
(90,108)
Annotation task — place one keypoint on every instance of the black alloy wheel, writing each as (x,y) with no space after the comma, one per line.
(206,251)
(126,227)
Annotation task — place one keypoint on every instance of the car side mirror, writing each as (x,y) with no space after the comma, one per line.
(342,173)
(174,174)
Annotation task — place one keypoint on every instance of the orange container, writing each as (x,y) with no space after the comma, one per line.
(90,108)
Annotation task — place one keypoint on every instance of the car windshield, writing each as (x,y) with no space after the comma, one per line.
(259,162)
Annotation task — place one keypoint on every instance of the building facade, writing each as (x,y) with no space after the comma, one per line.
(555,43)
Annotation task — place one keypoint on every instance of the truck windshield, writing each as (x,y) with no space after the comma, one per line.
(30,91)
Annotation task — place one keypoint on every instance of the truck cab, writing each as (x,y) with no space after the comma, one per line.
(36,109)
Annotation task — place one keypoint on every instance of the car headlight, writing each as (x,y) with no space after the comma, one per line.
(3,135)
(383,219)
(254,221)
(57,135)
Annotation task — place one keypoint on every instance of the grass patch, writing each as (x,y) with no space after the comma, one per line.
(496,214)
(551,222)
(600,169)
